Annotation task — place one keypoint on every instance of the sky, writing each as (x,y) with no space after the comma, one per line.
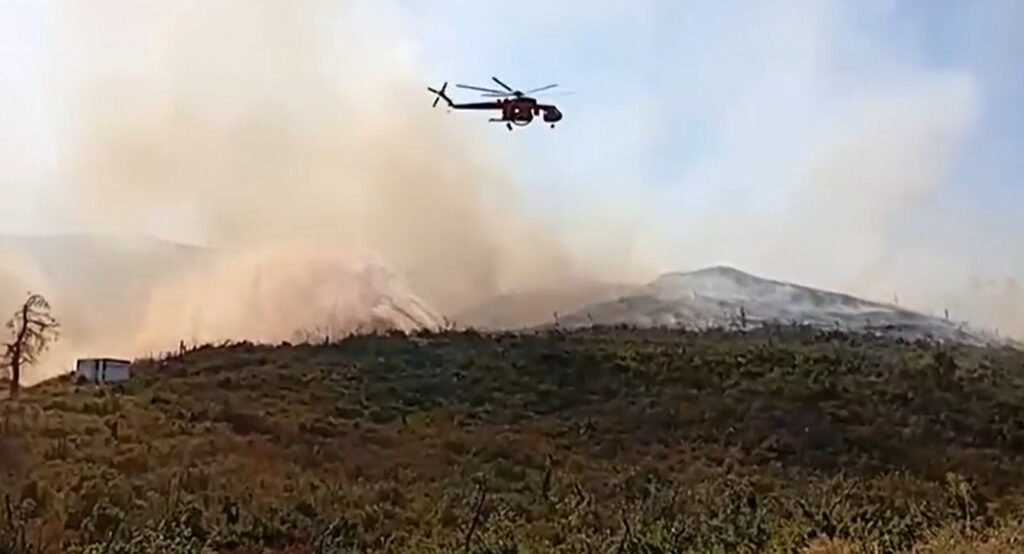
(703,124)
(676,98)
(873,146)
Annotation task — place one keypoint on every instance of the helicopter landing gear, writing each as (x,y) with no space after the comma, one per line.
(509,126)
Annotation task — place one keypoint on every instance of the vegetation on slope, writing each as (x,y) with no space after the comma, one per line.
(609,440)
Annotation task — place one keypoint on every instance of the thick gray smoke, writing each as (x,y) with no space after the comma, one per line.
(294,142)
(258,122)
(296,139)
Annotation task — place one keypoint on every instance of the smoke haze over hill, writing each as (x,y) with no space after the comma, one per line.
(284,136)
(296,138)
(255,123)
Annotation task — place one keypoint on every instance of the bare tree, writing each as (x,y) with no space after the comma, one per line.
(32,329)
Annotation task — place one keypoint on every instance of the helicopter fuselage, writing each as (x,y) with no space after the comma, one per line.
(518,111)
(521,111)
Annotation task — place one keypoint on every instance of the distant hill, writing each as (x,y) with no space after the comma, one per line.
(118,275)
(130,296)
(103,287)
(724,296)
(99,267)
(92,278)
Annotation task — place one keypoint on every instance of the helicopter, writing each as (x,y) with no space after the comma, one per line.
(516,107)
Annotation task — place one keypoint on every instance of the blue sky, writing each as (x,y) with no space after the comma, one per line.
(685,109)
(868,145)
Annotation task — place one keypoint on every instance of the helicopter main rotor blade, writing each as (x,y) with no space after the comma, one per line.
(482,89)
(541,88)
(508,88)
(506,95)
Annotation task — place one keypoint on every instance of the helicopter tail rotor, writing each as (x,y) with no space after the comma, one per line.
(440,94)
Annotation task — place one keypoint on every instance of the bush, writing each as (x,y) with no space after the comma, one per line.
(776,440)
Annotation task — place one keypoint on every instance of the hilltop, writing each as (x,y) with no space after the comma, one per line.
(594,440)
(725,296)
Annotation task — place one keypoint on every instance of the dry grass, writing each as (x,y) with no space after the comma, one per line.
(609,440)
(824,545)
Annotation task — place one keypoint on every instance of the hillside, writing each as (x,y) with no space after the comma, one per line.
(117,290)
(126,296)
(601,440)
(725,296)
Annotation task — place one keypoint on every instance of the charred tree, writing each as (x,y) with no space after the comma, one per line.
(32,329)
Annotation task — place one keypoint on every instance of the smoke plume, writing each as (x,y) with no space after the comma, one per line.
(813,143)
(292,141)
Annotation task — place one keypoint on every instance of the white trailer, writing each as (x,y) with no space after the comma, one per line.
(103,370)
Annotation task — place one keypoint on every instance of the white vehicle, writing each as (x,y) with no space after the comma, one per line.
(103,370)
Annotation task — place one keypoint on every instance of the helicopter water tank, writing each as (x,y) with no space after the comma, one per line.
(519,113)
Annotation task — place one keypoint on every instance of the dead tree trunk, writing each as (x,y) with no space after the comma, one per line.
(16,351)
(33,330)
